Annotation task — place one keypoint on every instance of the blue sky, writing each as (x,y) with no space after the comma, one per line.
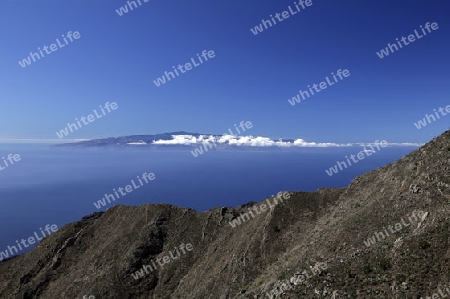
(250,78)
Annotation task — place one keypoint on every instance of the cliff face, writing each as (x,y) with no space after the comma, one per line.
(384,236)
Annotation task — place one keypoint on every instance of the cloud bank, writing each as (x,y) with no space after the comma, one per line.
(259,142)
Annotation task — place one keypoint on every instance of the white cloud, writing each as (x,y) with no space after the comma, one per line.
(178,139)
(259,141)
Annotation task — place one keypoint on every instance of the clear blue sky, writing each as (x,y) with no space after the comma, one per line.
(250,78)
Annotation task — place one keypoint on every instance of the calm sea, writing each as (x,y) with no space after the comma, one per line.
(59,185)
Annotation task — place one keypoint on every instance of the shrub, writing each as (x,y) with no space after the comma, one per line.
(424,244)
(384,264)
(367,269)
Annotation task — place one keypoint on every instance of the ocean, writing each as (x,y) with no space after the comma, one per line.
(59,185)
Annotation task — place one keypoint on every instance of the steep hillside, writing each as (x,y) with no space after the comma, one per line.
(338,238)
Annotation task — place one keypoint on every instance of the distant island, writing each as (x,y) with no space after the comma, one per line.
(222,141)
(129,140)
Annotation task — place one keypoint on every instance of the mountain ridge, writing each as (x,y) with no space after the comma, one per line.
(267,253)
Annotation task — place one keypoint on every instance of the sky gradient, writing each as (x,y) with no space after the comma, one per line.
(250,78)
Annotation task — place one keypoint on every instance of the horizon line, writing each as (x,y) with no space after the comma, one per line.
(236,140)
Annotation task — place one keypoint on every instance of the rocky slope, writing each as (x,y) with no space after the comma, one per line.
(312,245)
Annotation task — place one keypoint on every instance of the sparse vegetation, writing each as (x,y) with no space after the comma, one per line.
(424,244)
(327,225)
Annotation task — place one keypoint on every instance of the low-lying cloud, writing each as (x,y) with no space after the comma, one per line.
(258,141)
